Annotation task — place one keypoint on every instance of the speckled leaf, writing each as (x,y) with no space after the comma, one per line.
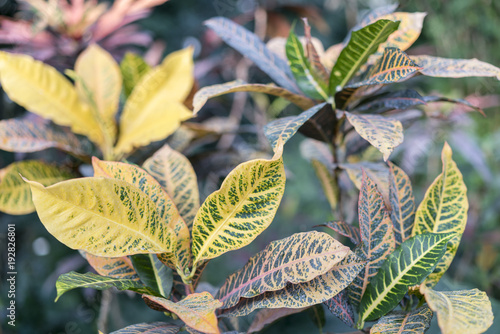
(176,175)
(444,210)
(15,195)
(201,97)
(402,203)
(327,182)
(196,310)
(305,76)
(73,280)
(115,267)
(244,206)
(398,100)
(282,129)
(460,312)
(318,290)
(313,55)
(132,68)
(362,44)
(415,322)
(153,273)
(293,260)
(409,265)
(268,316)
(377,237)
(340,306)
(104,217)
(383,133)
(347,230)
(149,328)
(252,47)
(455,68)
(372,16)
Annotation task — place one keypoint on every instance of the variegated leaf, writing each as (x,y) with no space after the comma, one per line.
(340,306)
(378,172)
(383,133)
(417,322)
(377,237)
(252,47)
(153,273)
(282,129)
(347,230)
(240,210)
(316,291)
(293,260)
(115,267)
(149,328)
(15,195)
(327,181)
(409,265)
(132,68)
(402,203)
(370,17)
(73,280)
(267,316)
(104,217)
(455,68)
(313,55)
(176,175)
(444,210)
(460,312)
(201,97)
(196,310)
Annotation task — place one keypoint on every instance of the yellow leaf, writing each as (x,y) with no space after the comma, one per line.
(444,210)
(197,310)
(116,267)
(42,90)
(155,108)
(104,217)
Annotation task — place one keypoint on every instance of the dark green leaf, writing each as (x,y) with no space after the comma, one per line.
(153,273)
(398,100)
(342,308)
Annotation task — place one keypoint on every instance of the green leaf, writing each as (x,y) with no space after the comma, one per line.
(282,129)
(293,260)
(133,68)
(307,80)
(313,56)
(340,306)
(153,273)
(115,267)
(15,194)
(372,16)
(409,265)
(73,280)
(455,68)
(149,328)
(347,230)
(444,210)
(417,321)
(402,203)
(362,44)
(252,47)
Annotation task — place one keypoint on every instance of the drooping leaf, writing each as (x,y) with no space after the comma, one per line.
(149,328)
(27,134)
(460,312)
(176,175)
(398,100)
(73,280)
(267,316)
(104,217)
(347,230)
(252,47)
(42,90)
(282,129)
(201,97)
(155,108)
(402,203)
(197,310)
(153,273)
(383,133)
(417,321)
(362,44)
(444,210)
(455,68)
(318,290)
(377,237)
(409,265)
(307,79)
(431,98)
(327,181)
(340,306)
(241,209)
(15,195)
(293,260)
(132,68)
(115,267)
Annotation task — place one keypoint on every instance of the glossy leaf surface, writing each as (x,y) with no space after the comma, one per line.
(153,273)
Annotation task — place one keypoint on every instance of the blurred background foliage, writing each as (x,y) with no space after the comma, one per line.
(458,29)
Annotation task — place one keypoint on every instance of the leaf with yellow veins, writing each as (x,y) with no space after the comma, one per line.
(149,328)
(42,90)
(402,203)
(455,68)
(155,107)
(417,321)
(116,267)
(244,206)
(104,217)
(196,310)
(444,210)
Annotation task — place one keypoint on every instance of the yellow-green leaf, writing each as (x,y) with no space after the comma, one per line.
(42,90)
(417,322)
(155,108)
(15,195)
(382,132)
(149,328)
(460,312)
(104,217)
(240,210)
(132,68)
(444,210)
(196,310)
(116,267)
(455,68)
(402,203)
(293,260)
